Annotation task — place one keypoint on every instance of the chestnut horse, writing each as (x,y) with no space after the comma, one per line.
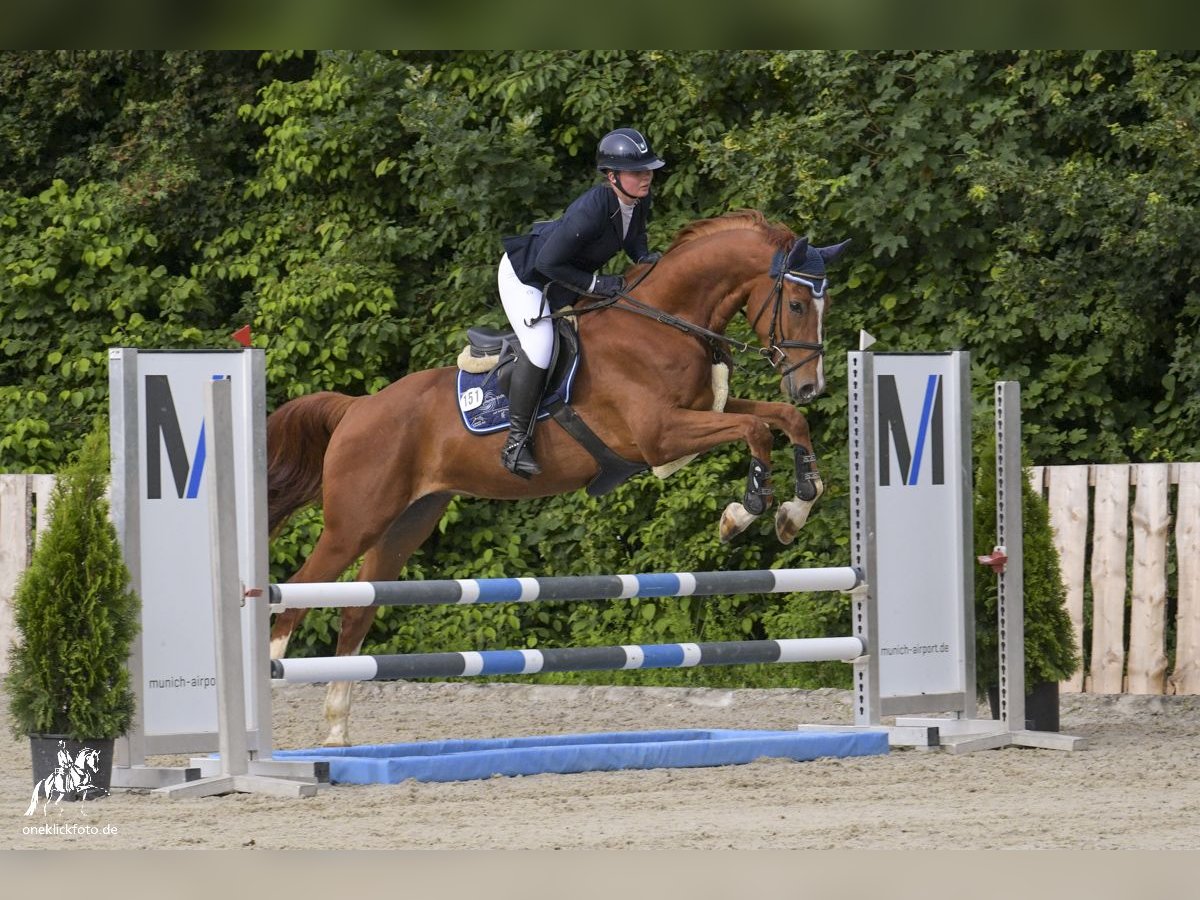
(385,466)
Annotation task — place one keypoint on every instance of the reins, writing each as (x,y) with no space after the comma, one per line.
(774,353)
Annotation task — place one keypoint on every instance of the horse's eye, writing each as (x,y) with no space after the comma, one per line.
(797,306)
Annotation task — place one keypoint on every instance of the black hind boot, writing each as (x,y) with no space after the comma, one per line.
(524,395)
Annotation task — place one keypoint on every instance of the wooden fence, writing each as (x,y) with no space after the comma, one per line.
(1133,580)
(24,502)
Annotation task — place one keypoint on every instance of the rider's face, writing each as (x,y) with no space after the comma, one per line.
(634,184)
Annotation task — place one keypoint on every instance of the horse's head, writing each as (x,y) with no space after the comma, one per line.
(88,759)
(790,318)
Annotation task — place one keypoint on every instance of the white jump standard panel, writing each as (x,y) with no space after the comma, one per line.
(911,485)
(912,535)
(159,437)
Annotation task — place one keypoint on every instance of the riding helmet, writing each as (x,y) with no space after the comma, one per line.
(626,150)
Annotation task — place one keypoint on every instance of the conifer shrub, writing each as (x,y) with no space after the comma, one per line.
(1050,654)
(75,613)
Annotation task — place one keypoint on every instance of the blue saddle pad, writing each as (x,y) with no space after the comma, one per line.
(484,407)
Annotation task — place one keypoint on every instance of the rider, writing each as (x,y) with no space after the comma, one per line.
(66,765)
(560,258)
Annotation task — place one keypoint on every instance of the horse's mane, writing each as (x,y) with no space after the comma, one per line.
(780,236)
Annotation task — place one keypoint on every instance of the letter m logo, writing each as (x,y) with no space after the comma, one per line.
(162,430)
(893,432)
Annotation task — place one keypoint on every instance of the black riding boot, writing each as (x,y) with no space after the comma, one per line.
(524,395)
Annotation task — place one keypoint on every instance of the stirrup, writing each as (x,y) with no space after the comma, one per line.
(517,456)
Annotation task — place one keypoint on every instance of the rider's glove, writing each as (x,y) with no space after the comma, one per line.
(608,285)
(651,257)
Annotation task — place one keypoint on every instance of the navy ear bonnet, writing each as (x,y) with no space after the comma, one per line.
(804,259)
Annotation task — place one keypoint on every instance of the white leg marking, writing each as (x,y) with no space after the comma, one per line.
(734,520)
(337,713)
(279,646)
(794,513)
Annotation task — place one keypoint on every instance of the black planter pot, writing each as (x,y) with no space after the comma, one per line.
(1041,705)
(96,770)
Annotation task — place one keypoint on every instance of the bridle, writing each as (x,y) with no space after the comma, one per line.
(775,351)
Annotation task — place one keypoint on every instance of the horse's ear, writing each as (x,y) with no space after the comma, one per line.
(797,256)
(831,253)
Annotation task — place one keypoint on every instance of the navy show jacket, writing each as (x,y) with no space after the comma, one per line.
(565,252)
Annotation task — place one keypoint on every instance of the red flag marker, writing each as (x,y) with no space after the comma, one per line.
(242,335)
(996,561)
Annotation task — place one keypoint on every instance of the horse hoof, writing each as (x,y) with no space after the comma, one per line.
(336,741)
(793,514)
(734,520)
(791,518)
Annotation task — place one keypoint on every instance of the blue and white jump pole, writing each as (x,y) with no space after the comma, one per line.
(581,587)
(566,659)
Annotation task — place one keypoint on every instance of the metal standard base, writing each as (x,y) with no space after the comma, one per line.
(914,737)
(958,736)
(968,735)
(135,777)
(292,770)
(240,784)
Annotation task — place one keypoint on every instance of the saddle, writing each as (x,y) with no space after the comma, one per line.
(485,372)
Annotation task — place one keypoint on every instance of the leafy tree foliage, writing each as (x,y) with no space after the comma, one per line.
(115,167)
(1036,208)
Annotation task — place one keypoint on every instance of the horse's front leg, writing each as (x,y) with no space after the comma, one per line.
(792,514)
(666,435)
(737,516)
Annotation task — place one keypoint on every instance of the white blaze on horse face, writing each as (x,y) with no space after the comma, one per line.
(819,306)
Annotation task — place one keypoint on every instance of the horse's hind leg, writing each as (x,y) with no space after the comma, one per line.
(323,565)
(382,562)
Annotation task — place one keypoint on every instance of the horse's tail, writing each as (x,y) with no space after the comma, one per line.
(36,790)
(297,435)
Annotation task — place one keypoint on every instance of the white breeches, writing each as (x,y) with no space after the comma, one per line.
(522,302)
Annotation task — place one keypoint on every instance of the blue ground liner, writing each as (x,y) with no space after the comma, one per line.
(468,760)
